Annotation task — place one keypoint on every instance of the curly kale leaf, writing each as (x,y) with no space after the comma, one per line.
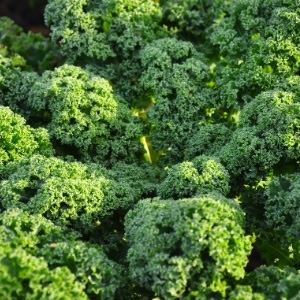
(63,192)
(259,44)
(24,276)
(31,231)
(280,238)
(15,84)
(100,276)
(267,133)
(201,176)
(174,76)
(186,247)
(268,282)
(89,29)
(208,140)
(191,19)
(18,140)
(85,115)
(39,52)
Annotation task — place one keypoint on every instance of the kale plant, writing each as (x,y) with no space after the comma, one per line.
(150,149)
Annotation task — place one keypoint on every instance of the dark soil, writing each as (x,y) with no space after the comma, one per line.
(29,14)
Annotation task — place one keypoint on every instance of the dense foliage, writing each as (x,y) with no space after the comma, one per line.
(188,247)
(149,149)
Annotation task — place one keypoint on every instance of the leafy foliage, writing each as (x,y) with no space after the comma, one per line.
(143,178)
(85,114)
(259,40)
(15,85)
(281,217)
(24,276)
(100,30)
(174,75)
(116,158)
(81,258)
(30,232)
(178,248)
(274,283)
(63,192)
(18,140)
(193,18)
(208,140)
(267,134)
(201,176)
(58,247)
(282,205)
(40,53)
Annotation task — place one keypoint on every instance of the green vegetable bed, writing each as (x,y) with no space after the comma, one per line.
(150,149)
